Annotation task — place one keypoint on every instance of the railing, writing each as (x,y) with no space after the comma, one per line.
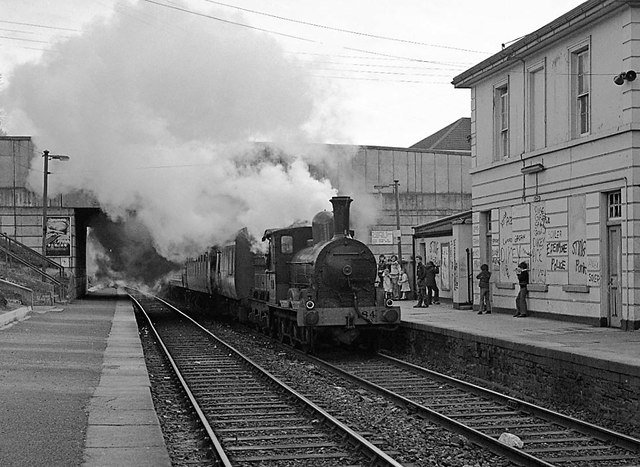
(10,245)
(17,290)
(36,265)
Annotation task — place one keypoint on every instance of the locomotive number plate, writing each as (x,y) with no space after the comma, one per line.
(369,314)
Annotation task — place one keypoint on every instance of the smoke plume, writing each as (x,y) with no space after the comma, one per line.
(160,112)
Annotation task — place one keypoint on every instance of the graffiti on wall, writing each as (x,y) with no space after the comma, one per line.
(433,251)
(507,273)
(540,220)
(555,244)
(454,265)
(577,244)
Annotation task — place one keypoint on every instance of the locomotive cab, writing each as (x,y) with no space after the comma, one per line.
(283,244)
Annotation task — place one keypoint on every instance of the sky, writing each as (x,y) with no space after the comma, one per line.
(384,92)
(160,104)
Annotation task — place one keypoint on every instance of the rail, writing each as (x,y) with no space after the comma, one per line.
(481,414)
(234,370)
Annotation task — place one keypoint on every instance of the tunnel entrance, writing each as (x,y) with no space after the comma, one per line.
(115,253)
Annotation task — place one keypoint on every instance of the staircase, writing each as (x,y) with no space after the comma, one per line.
(26,268)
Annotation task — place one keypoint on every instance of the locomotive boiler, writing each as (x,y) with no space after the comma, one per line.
(325,288)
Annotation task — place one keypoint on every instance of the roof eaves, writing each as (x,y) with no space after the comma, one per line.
(565,24)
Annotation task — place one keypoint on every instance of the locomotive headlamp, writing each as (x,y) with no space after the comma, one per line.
(347,270)
(309,305)
(390,316)
(388,302)
(311,318)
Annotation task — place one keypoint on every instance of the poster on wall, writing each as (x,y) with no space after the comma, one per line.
(444,267)
(58,236)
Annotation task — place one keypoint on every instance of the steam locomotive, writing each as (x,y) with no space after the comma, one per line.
(315,283)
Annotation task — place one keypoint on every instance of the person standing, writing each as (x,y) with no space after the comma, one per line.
(382,265)
(387,284)
(485,296)
(421,275)
(394,272)
(521,300)
(434,293)
(405,288)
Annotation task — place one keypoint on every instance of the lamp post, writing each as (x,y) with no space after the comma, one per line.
(395,185)
(47,157)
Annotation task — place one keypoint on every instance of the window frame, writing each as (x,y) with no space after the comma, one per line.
(537,69)
(501,120)
(580,86)
(616,206)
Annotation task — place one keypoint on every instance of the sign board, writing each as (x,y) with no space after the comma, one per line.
(58,236)
(382,237)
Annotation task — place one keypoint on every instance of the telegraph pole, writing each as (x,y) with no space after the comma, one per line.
(396,183)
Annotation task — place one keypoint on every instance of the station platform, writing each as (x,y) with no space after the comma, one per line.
(592,369)
(74,387)
(583,342)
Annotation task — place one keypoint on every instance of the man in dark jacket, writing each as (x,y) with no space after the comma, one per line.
(430,278)
(421,274)
(521,300)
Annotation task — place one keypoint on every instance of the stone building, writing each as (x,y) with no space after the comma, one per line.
(555,165)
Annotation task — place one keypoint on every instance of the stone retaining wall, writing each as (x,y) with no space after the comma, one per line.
(604,390)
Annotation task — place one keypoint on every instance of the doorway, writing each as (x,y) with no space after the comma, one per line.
(614,281)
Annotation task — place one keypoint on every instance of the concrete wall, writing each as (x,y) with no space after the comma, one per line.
(431,185)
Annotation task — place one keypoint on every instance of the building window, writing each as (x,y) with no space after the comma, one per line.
(580,90)
(537,118)
(614,204)
(501,122)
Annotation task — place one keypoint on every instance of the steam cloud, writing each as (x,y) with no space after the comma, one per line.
(157,110)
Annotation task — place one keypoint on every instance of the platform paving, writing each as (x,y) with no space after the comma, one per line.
(74,389)
(599,346)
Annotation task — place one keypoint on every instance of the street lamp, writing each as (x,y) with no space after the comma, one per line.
(395,185)
(47,157)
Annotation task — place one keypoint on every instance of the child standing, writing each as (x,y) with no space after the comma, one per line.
(404,284)
(485,296)
(387,285)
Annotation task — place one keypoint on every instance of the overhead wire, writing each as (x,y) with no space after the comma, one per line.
(291,36)
(346,31)
(39,26)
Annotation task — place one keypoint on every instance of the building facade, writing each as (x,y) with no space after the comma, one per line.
(555,165)
(400,188)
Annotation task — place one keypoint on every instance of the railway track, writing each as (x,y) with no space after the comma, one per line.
(250,417)
(549,438)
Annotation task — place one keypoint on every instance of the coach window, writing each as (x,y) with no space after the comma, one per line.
(286,244)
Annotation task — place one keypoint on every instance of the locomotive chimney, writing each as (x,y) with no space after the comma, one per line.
(341,215)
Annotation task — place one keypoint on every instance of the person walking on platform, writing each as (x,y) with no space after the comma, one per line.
(421,275)
(521,300)
(405,288)
(434,292)
(485,296)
